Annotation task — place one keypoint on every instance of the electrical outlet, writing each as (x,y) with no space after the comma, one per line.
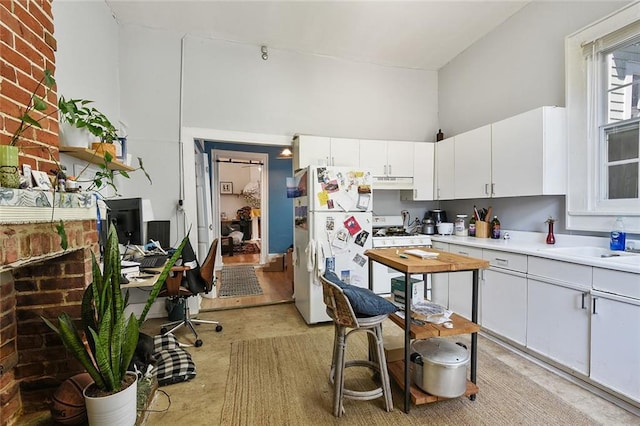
(633,245)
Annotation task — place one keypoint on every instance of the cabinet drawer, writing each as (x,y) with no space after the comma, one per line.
(617,282)
(506,260)
(466,251)
(438,245)
(571,273)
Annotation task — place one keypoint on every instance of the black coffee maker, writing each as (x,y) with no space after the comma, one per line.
(438,215)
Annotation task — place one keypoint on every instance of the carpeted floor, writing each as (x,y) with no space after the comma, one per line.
(238,280)
(298,366)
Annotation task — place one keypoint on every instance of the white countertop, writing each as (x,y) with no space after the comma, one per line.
(533,244)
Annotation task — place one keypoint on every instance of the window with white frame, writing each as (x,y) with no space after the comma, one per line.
(619,122)
(603,109)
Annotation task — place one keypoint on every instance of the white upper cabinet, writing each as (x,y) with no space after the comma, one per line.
(322,150)
(445,167)
(308,150)
(423,173)
(373,156)
(529,153)
(387,158)
(473,163)
(345,152)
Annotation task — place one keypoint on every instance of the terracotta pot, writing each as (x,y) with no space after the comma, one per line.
(102,147)
(9,176)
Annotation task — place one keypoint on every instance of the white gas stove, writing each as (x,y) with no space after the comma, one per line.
(388,231)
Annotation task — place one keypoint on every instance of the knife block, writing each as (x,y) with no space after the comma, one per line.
(482,229)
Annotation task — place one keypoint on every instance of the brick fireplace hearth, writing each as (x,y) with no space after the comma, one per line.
(38,278)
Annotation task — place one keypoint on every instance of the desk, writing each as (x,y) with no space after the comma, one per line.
(445,262)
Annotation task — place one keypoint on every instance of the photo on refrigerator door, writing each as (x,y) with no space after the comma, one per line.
(297,185)
(301,216)
(361,238)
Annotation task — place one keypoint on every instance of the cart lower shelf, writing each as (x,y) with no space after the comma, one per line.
(418,396)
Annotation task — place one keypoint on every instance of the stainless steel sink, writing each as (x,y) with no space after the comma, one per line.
(593,252)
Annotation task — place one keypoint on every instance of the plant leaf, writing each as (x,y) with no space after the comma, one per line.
(72,341)
(32,122)
(155,290)
(64,242)
(38,103)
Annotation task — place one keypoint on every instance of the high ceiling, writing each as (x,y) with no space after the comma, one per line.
(409,34)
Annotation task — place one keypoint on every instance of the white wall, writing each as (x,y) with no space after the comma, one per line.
(150,105)
(229,87)
(517,67)
(87,57)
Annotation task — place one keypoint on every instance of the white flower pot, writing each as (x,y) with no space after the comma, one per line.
(75,137)
(117,409)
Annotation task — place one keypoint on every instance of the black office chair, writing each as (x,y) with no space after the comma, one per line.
(188,281)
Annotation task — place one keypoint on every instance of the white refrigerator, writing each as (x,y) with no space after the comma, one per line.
(332,230)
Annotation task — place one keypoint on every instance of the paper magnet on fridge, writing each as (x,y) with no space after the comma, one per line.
(352,225)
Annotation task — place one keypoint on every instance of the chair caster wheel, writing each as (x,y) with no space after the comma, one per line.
(218,328)
(198,343)
(163,330)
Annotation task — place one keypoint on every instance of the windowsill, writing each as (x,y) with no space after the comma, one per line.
(32,205)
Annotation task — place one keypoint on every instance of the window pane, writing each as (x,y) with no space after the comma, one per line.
(623,83)
(622,143)
(623,181)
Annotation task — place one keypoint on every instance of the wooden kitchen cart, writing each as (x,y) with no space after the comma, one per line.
(411,265)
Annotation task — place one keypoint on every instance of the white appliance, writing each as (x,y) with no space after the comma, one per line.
(332,230)
(389,231)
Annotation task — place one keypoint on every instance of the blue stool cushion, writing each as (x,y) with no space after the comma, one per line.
(363,301)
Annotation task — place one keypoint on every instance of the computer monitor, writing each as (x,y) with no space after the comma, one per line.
(126,215)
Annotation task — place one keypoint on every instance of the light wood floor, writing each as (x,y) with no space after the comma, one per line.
(276,287)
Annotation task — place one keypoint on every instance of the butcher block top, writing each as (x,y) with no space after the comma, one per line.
(445,262)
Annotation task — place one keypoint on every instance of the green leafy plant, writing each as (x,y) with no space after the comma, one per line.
(104,342)
(78,113)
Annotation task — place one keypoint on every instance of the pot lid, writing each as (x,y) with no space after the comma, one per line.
(440,351)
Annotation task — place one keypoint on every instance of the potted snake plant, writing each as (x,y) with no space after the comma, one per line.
(104,340)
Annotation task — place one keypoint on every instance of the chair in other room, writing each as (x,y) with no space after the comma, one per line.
(347,323)
(180,287)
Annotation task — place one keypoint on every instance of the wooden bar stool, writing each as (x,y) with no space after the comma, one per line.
(340,311)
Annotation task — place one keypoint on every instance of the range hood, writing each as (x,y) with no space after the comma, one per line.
(387,182)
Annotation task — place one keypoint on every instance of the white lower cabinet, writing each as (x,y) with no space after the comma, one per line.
(615,333)
(460,284)
(558,312)
(558,323)
(504,304)
(615,344)
(440,281)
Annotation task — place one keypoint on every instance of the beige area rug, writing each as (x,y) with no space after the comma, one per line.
(284,381)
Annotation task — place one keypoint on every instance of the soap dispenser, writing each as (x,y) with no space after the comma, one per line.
(618,235)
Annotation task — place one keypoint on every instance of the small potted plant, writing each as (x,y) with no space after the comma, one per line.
(105,340)
(80,122)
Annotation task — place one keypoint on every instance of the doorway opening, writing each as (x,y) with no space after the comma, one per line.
(241,177)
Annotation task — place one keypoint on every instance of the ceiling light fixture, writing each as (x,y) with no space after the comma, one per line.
(285,154)
(265,54)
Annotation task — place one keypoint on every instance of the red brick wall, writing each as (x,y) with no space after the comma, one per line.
(27,47)
(32,362)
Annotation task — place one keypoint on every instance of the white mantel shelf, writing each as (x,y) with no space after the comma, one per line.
(19,206)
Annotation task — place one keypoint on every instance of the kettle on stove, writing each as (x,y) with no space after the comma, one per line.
(406,219)
(428,226)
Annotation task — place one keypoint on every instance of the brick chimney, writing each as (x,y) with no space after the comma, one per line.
(37,278)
